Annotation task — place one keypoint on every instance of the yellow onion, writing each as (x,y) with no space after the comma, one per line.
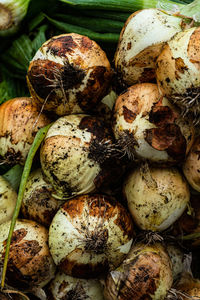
(38,203)
(69,74)
(68,288)
(141,41)
(147,126)
(76,155)
(191,166)
(19,122)
(8,198)
(89,235)
(188,287)
(145,274)
(156,197)
(178,73)
(30,263)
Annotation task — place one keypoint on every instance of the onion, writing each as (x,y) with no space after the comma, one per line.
(141,41)
(70,288)
(144,274)
(30,263)
(178,73)
(19,122)
(75,155)
(69,74)
(177,257)
(156,197)
(38,203)
(189,287)
(8,199)
(89,235)
(147,126)
(191,166)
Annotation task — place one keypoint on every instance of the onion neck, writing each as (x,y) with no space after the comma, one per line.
(6,19)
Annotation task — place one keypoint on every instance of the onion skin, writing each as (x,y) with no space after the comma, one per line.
(20,120)
(89,235)
(8,198)
(144,274)
(69,74)
(189,285)
(30,263)
(177,257)
(38,203)
(141,41)
(151,126)
(156,197)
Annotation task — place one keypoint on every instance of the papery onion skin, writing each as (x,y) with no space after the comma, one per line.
(141,41)
(69,74)
(156,197)
(75,156)
(30,263)
(38,203)
(145,274)
(89,235)
(20,120)
(177,72)
(8,198)
(67,287)
(148,127)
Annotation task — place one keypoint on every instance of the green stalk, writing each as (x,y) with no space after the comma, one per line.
(191,236)
(27,168)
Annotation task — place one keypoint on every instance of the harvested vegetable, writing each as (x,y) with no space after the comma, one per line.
(8,198)
(176,255)
(89,235)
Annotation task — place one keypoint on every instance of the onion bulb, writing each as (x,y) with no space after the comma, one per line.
(89,235)
(141,41)
(178,73)
(8,198)
(38,203)
(19,122)
(30,263)
(69,74)
(76,155)
(147,126)
(70,288)
(177,257)
(145,274)
(156,197)
(189,287)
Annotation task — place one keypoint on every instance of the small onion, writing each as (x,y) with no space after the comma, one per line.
(141,41)
(145,274)
(90,234)
(178,73)
(30,263)
(189,286)
(191,166)
(177,257)
(19,122)
(147,126)
(70,288)
(69,74)
(75,155)
(38,203)
(156,197)
(8,198)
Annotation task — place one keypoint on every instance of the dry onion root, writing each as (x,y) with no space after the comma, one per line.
(30,263)
(89,235)
(156,197)
(38,203)
(19,122)
(71,288)
(147,126)
(178,73)
(69,74)
(145,274)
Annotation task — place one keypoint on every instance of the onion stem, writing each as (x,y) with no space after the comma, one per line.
(27,168)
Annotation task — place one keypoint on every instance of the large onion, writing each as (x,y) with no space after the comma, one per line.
(90,235)
(141,41)
(19,122)
(30,263)
(178,73)
(145,274)
(156,197)
(147,126)
(69,74)
(75,155)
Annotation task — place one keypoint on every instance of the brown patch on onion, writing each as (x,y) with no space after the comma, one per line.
(60,45)
(160,115)
(193,47)
(73,208)
(180,67)
(130,115)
